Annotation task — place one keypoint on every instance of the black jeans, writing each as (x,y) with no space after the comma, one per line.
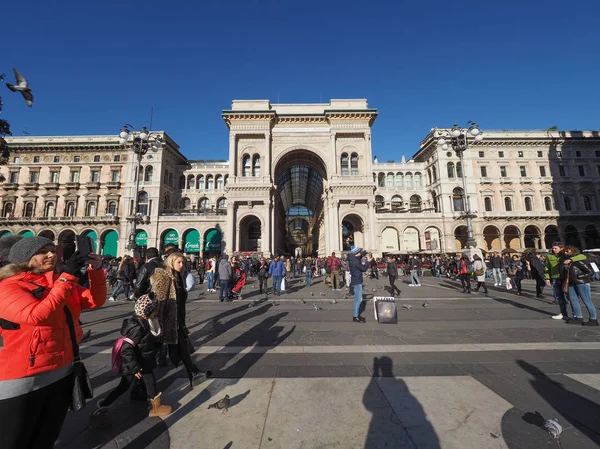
(262,284)
(481,284)
(126,381)
(465,281)
(34,420)
(393,285)
(540,283)
(517,281)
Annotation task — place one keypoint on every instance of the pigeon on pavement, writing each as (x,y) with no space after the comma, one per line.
(553,427)
(303,301)
(333,301)
(316,306)
(407,306)
(23,87)
(222,404)
(425,304)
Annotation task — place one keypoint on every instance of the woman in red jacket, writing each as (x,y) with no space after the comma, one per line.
(36,360)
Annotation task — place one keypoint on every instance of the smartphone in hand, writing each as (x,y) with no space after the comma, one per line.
(84,244)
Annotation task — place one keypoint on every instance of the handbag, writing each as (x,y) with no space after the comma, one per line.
(385,310)
(82,386)
(565,286)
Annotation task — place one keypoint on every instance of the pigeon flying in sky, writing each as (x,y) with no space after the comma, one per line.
(23,87)
(222,404)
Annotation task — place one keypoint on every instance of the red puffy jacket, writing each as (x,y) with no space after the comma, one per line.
(43,342)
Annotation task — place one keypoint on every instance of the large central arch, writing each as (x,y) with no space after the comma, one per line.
(300,176)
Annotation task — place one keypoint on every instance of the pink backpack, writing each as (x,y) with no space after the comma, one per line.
(116,353)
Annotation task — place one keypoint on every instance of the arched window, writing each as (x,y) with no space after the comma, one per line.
(135,173)
(379,201)
(186,203)
(458,170)
(434,172)
(90,210)
(166,202)
(390,181)
(399,180)
(182,182)
(50,209)
(528,204)
(587,203)
(458,202)
(222,203)
(408,180)
(508,204)
(71,209)
(567,203)
(226,179)
(429,176)
(112,208)
(210,182)
(418,179)
(8,209)
(142,203)
(381,180)
(415,203)
(246,166)
(256,165)
(203,203)
(434,200)
(450,169)
(547,203)
(200,184)
(354,164)
(488,203)
(220,181)
(29,210)
(148,174)
(191,182)
(344,164)
(397,202)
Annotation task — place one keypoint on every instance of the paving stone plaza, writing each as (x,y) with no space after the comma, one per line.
(467,371)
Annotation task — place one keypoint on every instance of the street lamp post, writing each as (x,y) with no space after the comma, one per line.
(141,142)
(458,138)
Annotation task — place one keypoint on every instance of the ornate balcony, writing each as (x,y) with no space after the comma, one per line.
(10,186)
(31,186)
(92,185)
(72,185)
(59,220)
(52,186)
(113,185)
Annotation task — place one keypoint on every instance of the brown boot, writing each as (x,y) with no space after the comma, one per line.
(156,409)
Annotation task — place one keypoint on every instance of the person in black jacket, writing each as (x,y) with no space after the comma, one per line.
(125,278)
(537,267)
(392,270)
(577,274)
(137,360)
(142,280)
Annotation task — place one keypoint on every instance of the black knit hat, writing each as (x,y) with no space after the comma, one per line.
(26,248)
(6,243)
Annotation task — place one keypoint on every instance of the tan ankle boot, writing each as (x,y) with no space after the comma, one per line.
(156,409)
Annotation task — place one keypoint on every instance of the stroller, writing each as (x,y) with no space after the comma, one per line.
(236,291)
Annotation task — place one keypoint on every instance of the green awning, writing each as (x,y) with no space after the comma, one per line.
(111,243)
(26,233)
(141,238)
(92,234)
(213,240)
(192,242)
(5,233)
(171,238)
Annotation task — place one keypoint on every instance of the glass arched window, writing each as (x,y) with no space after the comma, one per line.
(203,203)
(256,165)
(222,203)
(182,182)
(508,204)
(8,209)
(91,209)
(142,203)
(587,203)
(528,204)
(50,209)
(354,164)
(415,203)
(458,202)
(458,170)
(344,164)
(390,181)
(29,210)
(408,180)
(396,201)
(71,209)
(112,208)
(567,203)
(381,180)
(450,169)
(148,174)
(210,182)
(547,203)
(186,203)
(201,183)
(434,172)
(220,181)
(399,180)
(191,182)
(379,201)
(488,203)
(246,166)
(417,179)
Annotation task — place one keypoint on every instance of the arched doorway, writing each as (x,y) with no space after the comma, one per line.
(352,232)
(411,239)
(169,237)
(250,234)
(491,236)
(48,234)
(532,237)
(110,243)
(572,236)
(389,240)
(551,235)
(191,242)
(92,234)
(300,176)
(66,244)
(26,233)
(592,239)
(212,242)
(460,237)
(5,233)
(432,239)
(511,237)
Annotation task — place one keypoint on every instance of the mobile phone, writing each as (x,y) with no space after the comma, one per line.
(84,244)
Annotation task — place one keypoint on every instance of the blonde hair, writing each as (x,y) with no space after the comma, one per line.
(170,261)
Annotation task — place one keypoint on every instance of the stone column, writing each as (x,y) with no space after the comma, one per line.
(233,167)
(268,170)
(267,231)
(229,240)
(338,245)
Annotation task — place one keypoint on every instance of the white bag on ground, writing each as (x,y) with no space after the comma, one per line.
(509,285)
(283,284)
(190,282)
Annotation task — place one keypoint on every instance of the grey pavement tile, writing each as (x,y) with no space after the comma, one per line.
(426,370)
(323,371)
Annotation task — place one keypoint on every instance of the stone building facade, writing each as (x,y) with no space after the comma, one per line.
(302,179)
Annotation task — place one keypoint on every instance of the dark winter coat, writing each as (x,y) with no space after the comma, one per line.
(496,262)
(579,271)
(392,269)
(357,268)
(537,266)
(127,273)
(142,356)
(224,270)
(142,281)
(165,292)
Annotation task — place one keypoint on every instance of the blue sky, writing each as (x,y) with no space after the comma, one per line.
(505,64)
